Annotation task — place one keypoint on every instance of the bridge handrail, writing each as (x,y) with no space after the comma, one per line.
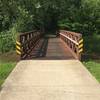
(25,33)
(26,42)
(74,42)
(73,33)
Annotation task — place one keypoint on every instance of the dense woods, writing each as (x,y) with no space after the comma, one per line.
(49,15)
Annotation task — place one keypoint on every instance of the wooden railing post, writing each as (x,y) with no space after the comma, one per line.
(80,46)
(19,46)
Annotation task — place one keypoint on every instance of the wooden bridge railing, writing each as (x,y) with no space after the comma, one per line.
(74,42)
(26,42)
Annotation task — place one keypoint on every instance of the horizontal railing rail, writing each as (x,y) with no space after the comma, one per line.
(26,42)
(74,41)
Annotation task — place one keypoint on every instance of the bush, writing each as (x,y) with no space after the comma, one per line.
(7,42)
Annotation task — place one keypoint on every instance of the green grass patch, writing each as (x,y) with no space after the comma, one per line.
(5,69)
(7,63)
(91,58)
(94,68)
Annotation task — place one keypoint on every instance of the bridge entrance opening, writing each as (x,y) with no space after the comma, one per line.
(37,45)
(50,47)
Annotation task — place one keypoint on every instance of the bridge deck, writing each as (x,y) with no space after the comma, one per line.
(51,48)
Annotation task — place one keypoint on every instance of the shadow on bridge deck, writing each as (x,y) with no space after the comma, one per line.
(50,48)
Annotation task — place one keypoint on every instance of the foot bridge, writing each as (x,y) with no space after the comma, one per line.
(50,69)
(35,45)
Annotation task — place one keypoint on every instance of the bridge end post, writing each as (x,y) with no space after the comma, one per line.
(80,47)
(19,47)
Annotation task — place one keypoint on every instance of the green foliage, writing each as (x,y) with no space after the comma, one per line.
(85,19)
(7,41)
(94,68)
(91,44)
(5,69)
(24,15)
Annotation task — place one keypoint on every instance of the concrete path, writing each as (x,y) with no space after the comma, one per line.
(50,80)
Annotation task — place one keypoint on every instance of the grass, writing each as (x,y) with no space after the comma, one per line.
(7,64)
(94,68)
(91,57)
(5,69)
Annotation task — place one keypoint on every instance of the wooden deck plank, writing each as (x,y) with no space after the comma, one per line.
(50,48)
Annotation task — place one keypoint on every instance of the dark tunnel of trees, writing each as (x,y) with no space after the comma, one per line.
(49,15)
